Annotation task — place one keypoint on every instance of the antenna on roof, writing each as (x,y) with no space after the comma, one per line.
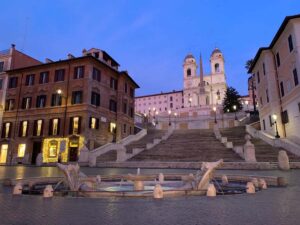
(25,34)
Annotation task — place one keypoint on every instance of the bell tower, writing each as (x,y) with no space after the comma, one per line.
(217,62)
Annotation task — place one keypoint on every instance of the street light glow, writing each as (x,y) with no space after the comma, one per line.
(59,91)
(274,116)
(169,112)
(214,108)
(234,107)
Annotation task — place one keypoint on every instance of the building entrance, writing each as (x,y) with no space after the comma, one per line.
(37,147)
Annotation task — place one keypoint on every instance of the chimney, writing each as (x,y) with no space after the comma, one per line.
(13,46)
(48,60)
(84,51)
(70,56)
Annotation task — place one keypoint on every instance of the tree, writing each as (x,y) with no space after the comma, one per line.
(248,64)
(232,98)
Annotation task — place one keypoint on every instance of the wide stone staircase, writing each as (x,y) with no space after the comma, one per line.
(189,146)
(264,152)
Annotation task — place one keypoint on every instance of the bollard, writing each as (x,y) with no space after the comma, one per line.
(158,192)
(18,188)
(48,192)
(250,188)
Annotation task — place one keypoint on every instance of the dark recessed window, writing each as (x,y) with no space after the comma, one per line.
(285,117)
(1,84)
(44,77)
(296,80)
(125,108)
(188,72)
(131,92)
(264,124)
(291,45)
(258,77)
(13,82)
(112,105)
(125,87)
(9,104)
(95,99)
(96,74)
(267,95)
(124,128)
(41,101)
(270,121)
(76,97)
(131,112)
(282,88)
(26,103)
(278,59)
(113,83)
(56,99)
(59,75)
(1,66)
(29,80)
(78,72)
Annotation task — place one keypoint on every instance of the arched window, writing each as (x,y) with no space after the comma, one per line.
(217,67)
(188,72)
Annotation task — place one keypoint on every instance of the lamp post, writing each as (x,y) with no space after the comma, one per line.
(156,121)
(60,93)
(234,108)
(247,103)
(190,101)
(274,116)
(215,110)
(169,112)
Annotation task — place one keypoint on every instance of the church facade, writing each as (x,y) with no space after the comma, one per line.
(200,91)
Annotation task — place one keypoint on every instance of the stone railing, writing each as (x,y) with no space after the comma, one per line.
(271,140)
(131,138)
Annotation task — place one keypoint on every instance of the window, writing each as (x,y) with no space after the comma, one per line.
(296,80)
(95,99)
(113,83)
(23,128)
(21,150)
(13,82)
(264,124)
(78,72)
(3,153)
(171,98)
(29,80)
(1,66)
(112,105)
(41,101)
(54,126)
(291,45)
(171,105)
(26,103)
(258,78)
(9,104)
(131,112)
(125,108)
(188,72)
(75,125)
(278,59)
(285,117)
(282,88)
(56,99)
(264,68)
(96,74)
(6,130)
(1,84)
(76,97)
(124,128)
(217,67)
(131,92)
(38,128)
(125,87)
(270,121)
(94,123)
(44,77)
(299,107)
(59,75)
(267,95)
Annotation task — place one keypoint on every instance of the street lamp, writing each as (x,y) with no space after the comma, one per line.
(60,93)
(234,108)
(274,116)
(190,101)
(215,110)
(247,102)
(156,113)
(169,112)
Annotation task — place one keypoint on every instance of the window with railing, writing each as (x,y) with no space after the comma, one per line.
(59,75)
(9,104)
(77,97)
(41,101)
(78,72)
(44,77)
(29,80)
(26,103)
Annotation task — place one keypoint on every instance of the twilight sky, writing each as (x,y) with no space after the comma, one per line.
(148,38)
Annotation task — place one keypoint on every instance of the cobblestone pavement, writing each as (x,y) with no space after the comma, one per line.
(275,206)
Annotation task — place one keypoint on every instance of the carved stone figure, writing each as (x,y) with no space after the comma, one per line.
(72,175)
(158,192)
(250,188)
(161,177)
(211,191)
(18,188)
(48,192)
(249,150)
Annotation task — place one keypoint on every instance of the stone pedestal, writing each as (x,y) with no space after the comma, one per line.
(283,160)
(250,188)
(158,192)
(138,185)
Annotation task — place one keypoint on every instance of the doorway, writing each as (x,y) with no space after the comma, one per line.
(73,154)
(37,146)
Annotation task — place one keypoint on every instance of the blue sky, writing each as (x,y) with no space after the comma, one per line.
(148,38)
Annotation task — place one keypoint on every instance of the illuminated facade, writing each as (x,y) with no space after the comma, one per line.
(57,107)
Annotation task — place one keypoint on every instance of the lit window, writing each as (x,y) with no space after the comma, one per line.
(52,150)
(3,153)
(75,125)
(93,123)
(7,130)
(112,127)
(21,150)
(39,124)
(55,127)
(24,126)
